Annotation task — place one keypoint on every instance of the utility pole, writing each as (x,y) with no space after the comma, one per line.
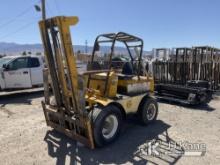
(43,8)
(86,46)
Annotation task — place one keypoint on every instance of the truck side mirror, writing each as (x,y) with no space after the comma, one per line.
(5,66)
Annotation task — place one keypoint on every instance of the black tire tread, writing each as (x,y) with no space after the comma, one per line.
(145,104)
(97,117)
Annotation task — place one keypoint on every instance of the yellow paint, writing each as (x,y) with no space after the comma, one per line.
(131,104)
(98,81)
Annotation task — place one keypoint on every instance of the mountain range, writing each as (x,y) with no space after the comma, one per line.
(14,48)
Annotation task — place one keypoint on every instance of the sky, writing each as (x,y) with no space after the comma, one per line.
(161,23)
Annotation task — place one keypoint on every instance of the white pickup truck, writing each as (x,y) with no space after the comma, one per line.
(21,72)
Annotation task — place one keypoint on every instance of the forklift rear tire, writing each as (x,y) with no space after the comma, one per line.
(148,111)
(107,123)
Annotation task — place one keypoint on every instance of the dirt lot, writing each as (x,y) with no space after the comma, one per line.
(25,139)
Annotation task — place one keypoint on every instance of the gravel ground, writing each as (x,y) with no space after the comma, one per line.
(25,139)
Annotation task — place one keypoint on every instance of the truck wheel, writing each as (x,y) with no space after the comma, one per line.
(106,124)
(148,111)
(204,98)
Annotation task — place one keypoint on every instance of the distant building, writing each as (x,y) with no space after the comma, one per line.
(85,57)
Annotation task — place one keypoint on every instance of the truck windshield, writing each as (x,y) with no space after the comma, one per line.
(4,61)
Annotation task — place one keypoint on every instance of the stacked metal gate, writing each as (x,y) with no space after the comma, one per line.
(197,63)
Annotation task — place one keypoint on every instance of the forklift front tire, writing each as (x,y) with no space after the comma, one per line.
(148,111)
(106,124)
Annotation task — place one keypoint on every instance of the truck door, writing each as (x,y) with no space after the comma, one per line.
(36,69)
(17,74)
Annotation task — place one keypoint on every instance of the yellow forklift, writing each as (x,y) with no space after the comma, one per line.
(90,106)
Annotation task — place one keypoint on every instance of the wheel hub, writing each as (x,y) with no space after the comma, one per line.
(151,112)
(110,126)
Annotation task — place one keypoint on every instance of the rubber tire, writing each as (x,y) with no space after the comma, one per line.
(204,98)
(98,116)
(143,111)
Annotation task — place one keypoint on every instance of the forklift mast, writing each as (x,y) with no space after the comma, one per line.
(67,86)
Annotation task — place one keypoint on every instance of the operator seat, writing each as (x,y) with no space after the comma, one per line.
(128,69)
(127,72)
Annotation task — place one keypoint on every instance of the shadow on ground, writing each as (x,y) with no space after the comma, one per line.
(22,98)
(129,147)
(202,107)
